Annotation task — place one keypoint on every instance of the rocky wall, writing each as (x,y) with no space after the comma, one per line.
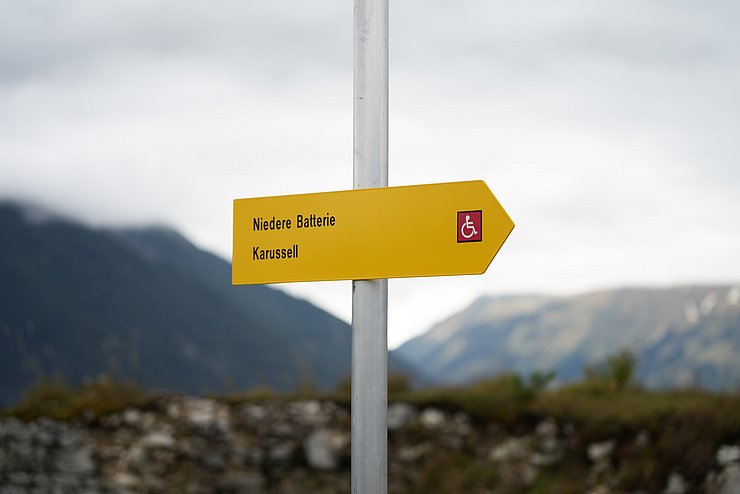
(199,446)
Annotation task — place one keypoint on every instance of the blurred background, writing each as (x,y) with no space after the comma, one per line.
(607,130)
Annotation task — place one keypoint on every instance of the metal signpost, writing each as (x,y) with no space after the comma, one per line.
(367,235)
(370,297)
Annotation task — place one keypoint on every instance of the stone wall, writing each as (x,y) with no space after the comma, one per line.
(197,445)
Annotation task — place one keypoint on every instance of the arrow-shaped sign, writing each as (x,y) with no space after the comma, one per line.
(391,232)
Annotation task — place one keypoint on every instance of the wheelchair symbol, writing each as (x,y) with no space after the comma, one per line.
(467,230)
(470,226)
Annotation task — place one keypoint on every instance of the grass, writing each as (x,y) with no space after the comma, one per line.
(507,399)
(610,412)
(53,398)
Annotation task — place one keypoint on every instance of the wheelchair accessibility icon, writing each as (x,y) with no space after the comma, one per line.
(469,226)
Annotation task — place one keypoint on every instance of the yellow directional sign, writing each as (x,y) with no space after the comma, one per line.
(391,232)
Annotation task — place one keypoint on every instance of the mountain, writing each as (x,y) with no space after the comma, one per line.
(680,336)
(147,305)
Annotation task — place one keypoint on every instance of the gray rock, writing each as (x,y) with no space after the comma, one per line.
(158,439)
(528,474)
(200,411)
(148,420)
(727,455)
(75,461)
(214,460)
(131,417)
(66,482)
(90,490)
(190,446)
(46,432)
(21,455)
(124,480)
(544,459)
(68,436)
(254,413)
(547,440)
(136,458)
(547,428)
(309,413)
(41,481)
(14,429)
(676,484)
(198,487)
(152,484)
(320,449)
(92,485)
(600,452)
(461,424)
(19,478)
(250,455)
(284,429)
(400,415)
(206,414)
(242,483)
(412,453)
(432,418)
(174,410)
(111,421)
(12,489)
(281,452)
(513,449)
(109,451)
(642,440)
(729,480)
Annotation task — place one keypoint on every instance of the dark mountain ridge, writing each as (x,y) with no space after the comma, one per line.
(147,305)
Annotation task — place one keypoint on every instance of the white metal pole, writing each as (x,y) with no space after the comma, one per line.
(370,298)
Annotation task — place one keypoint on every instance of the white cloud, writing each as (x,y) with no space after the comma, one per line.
(608,130)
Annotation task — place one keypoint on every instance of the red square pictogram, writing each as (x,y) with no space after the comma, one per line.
(470,226)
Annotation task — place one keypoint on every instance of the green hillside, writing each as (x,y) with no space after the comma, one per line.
(682,336)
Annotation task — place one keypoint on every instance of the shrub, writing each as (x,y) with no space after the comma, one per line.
(52,397)
(618,371)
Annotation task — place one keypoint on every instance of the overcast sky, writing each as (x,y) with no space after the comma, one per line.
(610,131)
